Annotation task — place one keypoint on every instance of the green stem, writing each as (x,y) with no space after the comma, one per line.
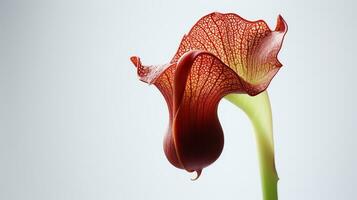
(259,112)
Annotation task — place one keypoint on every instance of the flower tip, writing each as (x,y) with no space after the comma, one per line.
(281,25)
(142,71)
(198,174)
(136,61)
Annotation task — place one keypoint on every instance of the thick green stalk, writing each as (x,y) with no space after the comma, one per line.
(259,112)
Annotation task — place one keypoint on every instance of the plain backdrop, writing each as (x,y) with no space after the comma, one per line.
(77,124)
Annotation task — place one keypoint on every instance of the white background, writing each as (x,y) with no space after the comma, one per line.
(76,123)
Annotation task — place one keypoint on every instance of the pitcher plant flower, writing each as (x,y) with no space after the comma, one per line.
(223,55)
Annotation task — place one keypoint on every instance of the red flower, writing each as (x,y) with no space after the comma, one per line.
(222,54)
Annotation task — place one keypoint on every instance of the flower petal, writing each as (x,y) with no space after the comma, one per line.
(200,82)
(250,48)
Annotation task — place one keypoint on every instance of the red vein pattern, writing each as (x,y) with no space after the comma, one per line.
(222,54)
